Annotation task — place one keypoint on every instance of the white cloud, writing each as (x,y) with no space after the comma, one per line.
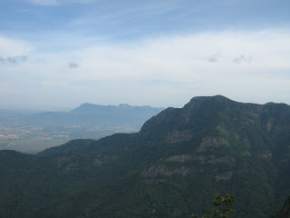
(13,47)
(247,66)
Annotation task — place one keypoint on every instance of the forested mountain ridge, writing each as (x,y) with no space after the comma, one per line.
(173,167)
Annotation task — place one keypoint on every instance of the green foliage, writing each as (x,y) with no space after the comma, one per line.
(285,211)
(222,207)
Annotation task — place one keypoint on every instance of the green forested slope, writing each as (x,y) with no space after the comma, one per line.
(173,167)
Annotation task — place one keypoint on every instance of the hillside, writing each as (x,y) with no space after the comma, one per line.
(173,167)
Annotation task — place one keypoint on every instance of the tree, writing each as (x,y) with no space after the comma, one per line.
(222,207)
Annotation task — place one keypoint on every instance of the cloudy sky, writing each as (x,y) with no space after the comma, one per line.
(60,53)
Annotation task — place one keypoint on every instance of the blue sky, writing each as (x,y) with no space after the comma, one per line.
(60,53)
(127,19)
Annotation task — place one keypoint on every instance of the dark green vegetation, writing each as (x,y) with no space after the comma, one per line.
(285,212)
(173,167)
(33,132)
(222,207)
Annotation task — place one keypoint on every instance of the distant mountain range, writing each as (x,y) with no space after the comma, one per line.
(33,132)
(172,168)
(106,116)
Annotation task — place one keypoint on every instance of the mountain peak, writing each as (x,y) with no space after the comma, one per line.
(210,99)
(85,106)
(213,97)
(202,113)
(89,108)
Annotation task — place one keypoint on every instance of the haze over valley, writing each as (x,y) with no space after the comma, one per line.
(33,132)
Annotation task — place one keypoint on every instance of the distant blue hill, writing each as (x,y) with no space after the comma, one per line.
(34,131)
(122,115)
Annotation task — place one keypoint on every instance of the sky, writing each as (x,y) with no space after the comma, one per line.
(61,53)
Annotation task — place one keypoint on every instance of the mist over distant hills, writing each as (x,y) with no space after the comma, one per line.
(33,132)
